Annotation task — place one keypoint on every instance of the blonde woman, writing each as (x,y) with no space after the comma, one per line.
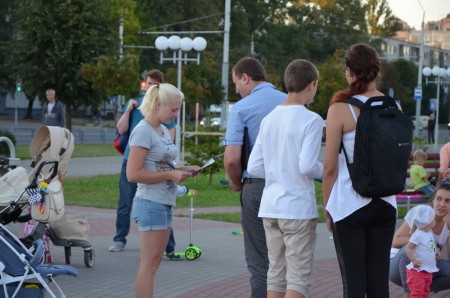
(151,166)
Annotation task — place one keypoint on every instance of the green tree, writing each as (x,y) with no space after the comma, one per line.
(54,39)
(401,76)
(113,76)
(7,82)
(178,15)
(380,19)
(332,79)
(320,28)
(125,10)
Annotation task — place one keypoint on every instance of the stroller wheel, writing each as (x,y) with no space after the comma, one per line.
(89,257)
(67,253)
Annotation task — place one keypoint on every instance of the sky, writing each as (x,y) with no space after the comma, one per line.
(411,12)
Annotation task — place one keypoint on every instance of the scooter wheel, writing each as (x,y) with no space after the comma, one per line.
(89,258)
(191,254)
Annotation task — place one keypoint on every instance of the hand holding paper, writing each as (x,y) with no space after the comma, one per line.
(206,164)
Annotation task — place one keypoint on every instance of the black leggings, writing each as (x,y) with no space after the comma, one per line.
(363,242)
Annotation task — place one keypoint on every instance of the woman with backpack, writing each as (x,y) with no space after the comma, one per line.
(362,227)
(441,235)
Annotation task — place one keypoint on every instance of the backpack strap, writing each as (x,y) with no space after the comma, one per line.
(353,101)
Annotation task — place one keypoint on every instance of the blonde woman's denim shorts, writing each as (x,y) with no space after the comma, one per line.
(151,216)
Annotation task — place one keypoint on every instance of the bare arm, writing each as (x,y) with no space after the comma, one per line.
(440,177)
(409,249)
(443,164)
(232,164)
(330,172)
(124,121)
(401,237)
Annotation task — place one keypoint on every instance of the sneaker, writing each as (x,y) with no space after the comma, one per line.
(172,257)
(117,246)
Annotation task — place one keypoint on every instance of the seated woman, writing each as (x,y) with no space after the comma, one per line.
(441,279)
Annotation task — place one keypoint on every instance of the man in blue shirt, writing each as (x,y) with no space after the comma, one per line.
(259,98)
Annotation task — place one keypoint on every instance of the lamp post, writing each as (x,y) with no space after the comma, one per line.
(418,89)
(180,48)
(252,43)
(439,74)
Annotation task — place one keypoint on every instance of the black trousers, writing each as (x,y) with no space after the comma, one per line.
(363,242)
(430,135)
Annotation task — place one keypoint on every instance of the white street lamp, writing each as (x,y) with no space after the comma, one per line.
(180,46)
(439,74)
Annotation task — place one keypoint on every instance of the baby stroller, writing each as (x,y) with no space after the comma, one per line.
(51,150)
(21,265)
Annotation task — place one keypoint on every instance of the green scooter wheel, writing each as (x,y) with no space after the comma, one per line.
(191,254)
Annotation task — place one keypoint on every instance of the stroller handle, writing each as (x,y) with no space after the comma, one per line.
(39,169)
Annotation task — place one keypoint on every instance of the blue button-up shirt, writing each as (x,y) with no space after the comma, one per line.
(249,112)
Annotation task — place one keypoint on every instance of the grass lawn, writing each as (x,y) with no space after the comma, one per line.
(79,151)
(103,191)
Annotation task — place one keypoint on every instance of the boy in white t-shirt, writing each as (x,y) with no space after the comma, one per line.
(422,252)
(286,155)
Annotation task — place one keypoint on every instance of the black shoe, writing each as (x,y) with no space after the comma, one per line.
(172,257)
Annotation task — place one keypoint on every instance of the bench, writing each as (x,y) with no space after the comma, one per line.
(412,197)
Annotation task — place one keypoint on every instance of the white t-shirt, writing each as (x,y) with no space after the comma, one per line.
(161,154)
(344,200)
(425,251)
(50,107)
(441,239)
(286,154)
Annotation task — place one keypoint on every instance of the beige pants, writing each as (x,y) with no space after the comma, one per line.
(291,244)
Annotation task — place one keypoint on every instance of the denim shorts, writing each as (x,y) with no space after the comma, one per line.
(151,216)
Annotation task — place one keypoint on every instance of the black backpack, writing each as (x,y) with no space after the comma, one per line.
(383,144)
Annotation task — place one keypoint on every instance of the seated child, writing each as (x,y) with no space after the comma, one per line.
(422,252)
(419,176)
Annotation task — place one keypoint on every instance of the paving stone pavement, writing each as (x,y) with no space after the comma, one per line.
(219,272)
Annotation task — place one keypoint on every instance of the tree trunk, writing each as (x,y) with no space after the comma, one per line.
(29,113)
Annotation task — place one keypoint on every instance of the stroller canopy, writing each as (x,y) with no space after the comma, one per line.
(51,143)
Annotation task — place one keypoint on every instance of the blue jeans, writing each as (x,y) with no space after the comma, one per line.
(170,248)
(427,189)
(127,191)
(151,216)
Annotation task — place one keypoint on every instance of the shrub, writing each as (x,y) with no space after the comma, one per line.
(201,148)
